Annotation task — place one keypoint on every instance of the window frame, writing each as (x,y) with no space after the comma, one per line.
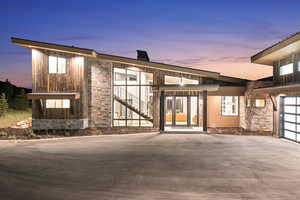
(55,103)
(57,69)
(127,85)
(286,65)
(238,105)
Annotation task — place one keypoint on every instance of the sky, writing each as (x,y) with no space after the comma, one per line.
(214,35)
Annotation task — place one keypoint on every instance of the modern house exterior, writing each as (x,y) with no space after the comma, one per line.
(282,91)
(76,88)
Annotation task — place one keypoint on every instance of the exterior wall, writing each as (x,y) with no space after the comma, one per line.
(59,124)
(214,114)
(72,81)
(99,93)
(256,119)
(289,78)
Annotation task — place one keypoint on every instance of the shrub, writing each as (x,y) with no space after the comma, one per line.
(3,105)
(20,101)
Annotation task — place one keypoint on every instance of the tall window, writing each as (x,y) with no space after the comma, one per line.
(173,80)
(230,105)
(57,65)
(286,69)
(133,97)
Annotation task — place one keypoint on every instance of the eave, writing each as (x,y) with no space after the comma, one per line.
(278,51)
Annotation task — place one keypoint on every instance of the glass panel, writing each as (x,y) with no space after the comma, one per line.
(290,118)
(133,122)
(298,128)
(290,100)
(66,103)
(289,126)
(52,64)
(131,114)
(119,123)
(290,135)
(189,81)
(298,137)
(50,103)
(133,76)
(286,69)
(133,96)
(169,110)
(298,109)
(57,103)
(172,80)
(194,115)
(146,78)
(181,110)
(146,100)
(298,100)
(61,66)
(119,110)
(120,92)
(119,76)
(146,123)
(290,109)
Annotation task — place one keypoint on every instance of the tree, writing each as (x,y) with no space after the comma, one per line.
(20,101)
(3,105)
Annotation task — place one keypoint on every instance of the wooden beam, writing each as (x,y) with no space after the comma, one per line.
(273,102)
(206,87)
(74,95)
(162,111)
(204,110)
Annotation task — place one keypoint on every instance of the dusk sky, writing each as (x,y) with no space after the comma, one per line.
(212,35)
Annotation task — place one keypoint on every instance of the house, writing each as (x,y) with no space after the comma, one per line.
(281,92)
(77,88)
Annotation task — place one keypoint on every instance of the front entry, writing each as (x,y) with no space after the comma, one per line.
(181,111)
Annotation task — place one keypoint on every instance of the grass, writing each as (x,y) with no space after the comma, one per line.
(13,116)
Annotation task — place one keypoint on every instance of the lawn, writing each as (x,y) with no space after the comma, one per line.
(13,116)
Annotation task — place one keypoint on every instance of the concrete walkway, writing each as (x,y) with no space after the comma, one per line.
(151,166)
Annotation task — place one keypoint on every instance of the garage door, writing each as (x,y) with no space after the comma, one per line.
(291,118)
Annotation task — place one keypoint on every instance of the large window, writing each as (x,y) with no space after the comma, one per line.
(57,103)
(230,105)
(286,69)
(133,97)
(57,65)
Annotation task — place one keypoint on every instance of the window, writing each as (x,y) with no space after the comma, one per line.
(57,103)
(230,105)
(133,97)
(57,65)
(169,80)
(260,103)
(286,69)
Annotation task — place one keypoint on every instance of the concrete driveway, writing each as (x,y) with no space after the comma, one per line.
(151,166)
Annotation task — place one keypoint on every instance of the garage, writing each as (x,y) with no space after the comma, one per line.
(291,118)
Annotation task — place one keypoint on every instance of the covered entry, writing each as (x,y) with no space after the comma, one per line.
(290,118)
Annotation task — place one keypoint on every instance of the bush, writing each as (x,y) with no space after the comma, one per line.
(3,105)
(20,101)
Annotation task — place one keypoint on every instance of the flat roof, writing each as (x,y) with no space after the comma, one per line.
(278,51)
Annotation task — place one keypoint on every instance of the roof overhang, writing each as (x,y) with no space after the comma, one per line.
(199,88)
(279,89)
(69,95)
(278,51)
(53,47)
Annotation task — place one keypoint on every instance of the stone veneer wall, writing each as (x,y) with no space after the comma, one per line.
(59,124)
(99,93)
(252,118)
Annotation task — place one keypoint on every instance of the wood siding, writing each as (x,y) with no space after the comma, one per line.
(72,81)
(289,78)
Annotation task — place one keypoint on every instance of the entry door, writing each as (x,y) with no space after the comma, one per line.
(290,118)
(181,111)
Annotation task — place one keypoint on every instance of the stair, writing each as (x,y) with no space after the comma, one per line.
(134,109)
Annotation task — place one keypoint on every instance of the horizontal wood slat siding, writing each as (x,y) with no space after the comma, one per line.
(72,81)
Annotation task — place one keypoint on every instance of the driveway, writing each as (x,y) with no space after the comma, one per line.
(151,166)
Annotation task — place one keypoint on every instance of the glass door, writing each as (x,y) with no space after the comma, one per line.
(181,111)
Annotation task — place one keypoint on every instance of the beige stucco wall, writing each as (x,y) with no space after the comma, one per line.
(214,115)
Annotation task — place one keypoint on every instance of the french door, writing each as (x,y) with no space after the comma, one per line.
(181,111)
